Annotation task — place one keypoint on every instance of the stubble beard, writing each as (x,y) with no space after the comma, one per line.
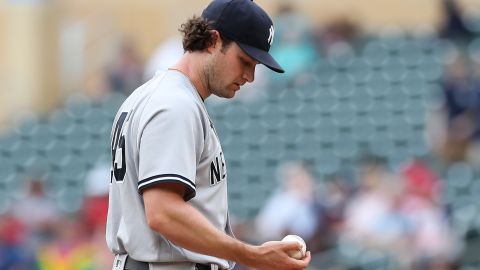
(213,81)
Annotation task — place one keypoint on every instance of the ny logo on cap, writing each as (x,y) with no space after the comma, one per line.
(271,34)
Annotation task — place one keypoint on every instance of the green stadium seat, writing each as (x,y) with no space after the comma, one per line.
(417,145)
(309,117)
(327,130)
(60,123)
(325,101)
(5,197)
(291,133)
(411,53)
(361,100)
(381,147)
(345,146)
(363,130)
(394,69)
(324,71)
(375,53)
(77,110)
(327,162)
(342,85)
(442,50)
(9,143)
(414,112)
(24,156)
(378,86)
(26,128)
(463,218)
(399,129)
(398,156)
(459,175)
(343,114)
(237,117)
(396,99)
(414,84)
(307,88)
(371,259)
(8,167)
(379,114)
(112,102)
(360,71)
(272,116)
(96,122)
(272,147)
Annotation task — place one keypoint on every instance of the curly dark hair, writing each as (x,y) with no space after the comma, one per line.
(197,35)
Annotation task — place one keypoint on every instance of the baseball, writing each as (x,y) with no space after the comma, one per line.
(297,254)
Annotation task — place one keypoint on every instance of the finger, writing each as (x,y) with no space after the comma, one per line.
(303,263)
(290,245)
(307,258)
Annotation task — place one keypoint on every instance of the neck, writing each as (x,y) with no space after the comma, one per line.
(191,65)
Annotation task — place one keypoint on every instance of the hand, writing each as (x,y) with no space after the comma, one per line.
(273,256)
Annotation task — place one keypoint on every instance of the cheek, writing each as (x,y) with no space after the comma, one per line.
(227,69)
(226,73)
(233,66)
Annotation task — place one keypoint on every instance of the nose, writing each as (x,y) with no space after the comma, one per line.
(249,74)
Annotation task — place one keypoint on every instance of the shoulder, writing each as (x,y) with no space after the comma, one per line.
(171,97)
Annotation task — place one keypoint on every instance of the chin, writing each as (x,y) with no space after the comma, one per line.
(230,95)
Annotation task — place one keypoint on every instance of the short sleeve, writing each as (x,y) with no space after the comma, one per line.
(169,148)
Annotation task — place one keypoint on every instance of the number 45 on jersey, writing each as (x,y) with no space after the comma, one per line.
(118,151)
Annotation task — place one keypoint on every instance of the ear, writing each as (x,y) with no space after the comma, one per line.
(216,41)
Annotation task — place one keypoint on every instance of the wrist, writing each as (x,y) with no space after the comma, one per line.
(247,254)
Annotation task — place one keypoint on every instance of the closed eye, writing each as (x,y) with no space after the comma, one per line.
(247,63)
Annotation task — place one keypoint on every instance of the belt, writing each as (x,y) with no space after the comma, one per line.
(131,264)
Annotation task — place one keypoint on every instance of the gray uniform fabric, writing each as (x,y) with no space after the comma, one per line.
(162,133)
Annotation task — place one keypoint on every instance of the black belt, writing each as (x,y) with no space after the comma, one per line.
(131,264)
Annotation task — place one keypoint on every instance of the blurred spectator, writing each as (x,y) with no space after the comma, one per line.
(126,73)
(15,254)
(432,242)
(336,38)
(296,199)
(166,55)
(333,196)
(294,49)
(453,26)
(95,210)
(37,212)
(371,217)
(421,181)
(70,249)
(454,127)
(96,195)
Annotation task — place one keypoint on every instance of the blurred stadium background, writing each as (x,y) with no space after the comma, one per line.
(380,106)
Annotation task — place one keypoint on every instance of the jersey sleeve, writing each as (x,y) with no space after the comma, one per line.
(170,147)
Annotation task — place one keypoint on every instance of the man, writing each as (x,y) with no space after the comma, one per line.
(168,194)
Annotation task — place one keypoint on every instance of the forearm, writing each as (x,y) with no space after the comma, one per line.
(187,227)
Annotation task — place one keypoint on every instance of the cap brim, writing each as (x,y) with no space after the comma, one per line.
(262,57)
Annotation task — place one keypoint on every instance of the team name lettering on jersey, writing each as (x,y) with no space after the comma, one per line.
(218,170)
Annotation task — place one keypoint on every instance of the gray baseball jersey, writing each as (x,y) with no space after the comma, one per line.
(162,133)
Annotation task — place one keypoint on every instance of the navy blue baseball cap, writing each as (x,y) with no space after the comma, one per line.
(248,25)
